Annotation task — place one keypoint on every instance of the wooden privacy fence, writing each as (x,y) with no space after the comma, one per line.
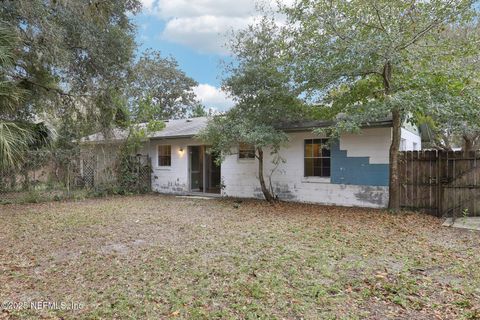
(440,182)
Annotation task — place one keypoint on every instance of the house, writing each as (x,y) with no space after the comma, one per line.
(353,171)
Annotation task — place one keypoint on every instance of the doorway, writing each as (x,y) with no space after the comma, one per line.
(204,172)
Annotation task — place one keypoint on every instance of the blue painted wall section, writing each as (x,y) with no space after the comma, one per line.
(356,170)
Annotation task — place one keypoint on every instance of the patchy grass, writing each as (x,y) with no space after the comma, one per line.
(45,195)
(156,257)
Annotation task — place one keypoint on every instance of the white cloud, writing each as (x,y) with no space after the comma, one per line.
(187,8)
(203,24)
(213,97)
(147,4)
(207,34)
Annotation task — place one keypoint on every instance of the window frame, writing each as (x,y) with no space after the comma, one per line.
(169,155)
(247,151)
(323,141)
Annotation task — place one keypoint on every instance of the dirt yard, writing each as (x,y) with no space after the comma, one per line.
(160,257)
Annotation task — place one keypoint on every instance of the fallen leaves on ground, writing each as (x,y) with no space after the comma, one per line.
(152,257)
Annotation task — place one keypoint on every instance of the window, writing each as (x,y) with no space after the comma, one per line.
(317,158)
(164,156)
(415,146)
(246,151)
(403,144)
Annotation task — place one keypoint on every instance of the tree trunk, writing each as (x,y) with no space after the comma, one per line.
(394,185)
(26,180)
(467,143)
(266,193)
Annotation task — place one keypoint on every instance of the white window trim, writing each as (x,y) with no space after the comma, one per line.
(316,179)
(313,179)
(163,168)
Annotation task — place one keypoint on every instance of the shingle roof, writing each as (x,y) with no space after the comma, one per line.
(185,128)
(181,128)
(173,129)
(115,135)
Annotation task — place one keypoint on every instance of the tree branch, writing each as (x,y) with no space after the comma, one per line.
(379,18)
(48,88)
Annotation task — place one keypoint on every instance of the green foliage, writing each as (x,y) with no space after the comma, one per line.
(365,59)
(452,97)
(159,90)
(198,111)
(262,91)
(130,172)
(130,166)
(10,93)
(70,55)
(225,132)
(13,143)
(74,67)
(33,196)
(14,138)
(108,103)
(264,98)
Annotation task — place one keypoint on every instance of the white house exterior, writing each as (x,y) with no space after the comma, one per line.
(354,171)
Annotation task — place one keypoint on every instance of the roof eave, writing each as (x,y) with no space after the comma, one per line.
(312,126)
(173,137)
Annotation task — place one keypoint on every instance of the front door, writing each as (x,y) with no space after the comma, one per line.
(196,154)
(204,171)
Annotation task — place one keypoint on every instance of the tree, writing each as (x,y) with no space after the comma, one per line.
(198,110)
(71,54)
(163,84)
(16,136)
(157,90)
(453,97)
(263,95)
(366,53)
(453,115)
(13,138)
(13,142)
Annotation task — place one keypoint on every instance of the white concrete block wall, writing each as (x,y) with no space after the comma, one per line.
(411,141)
(241,176)
(373,143)
(173,179)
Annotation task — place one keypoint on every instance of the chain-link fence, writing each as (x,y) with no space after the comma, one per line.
(47,175)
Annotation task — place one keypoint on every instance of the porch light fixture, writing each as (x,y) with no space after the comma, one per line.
(180,152)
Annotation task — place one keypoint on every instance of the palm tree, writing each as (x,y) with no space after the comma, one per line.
(13,138)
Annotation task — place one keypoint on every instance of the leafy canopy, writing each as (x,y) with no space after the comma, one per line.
(362,58)
(71,54)
(158,81)
(13,138)
(451,90)
(261,89)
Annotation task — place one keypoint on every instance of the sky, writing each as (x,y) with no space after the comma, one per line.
(194,32)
